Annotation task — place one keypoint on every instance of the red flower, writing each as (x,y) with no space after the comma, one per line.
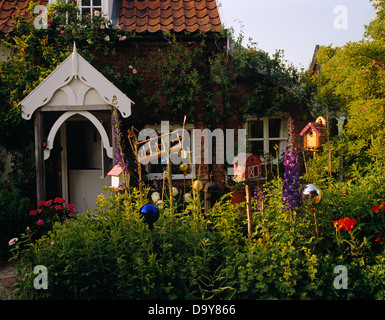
(71,207)
(59,200)
(40,222)
(59,207)
(379,238)
(382,205)
(376,208)
(41,203)
(33,213)
(48,203)
(345,223)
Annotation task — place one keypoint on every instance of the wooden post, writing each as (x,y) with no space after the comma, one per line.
(39,157)
(248,212)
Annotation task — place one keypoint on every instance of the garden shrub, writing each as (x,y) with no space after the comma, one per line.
(14,216)
(108,253)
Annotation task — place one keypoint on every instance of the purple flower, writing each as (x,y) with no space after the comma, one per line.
(290,192)
(259,198)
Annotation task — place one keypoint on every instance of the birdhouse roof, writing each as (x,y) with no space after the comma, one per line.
(242,155)
(313,126)
(115,171)
(245,156)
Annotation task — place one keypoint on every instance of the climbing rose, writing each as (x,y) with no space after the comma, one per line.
(12,241)
(40,222)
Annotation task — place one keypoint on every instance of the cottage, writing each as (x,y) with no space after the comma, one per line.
(72,107)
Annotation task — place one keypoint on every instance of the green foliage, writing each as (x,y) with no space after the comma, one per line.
(351,80)
(110,253)
(14,216)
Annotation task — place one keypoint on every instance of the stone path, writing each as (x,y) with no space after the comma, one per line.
(7,277)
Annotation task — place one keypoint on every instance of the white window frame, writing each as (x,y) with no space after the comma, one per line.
(106,6)
(175,176)
(103,8)
(266,139)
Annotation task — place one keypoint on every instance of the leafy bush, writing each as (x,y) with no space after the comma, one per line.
(110,253)
(14,216)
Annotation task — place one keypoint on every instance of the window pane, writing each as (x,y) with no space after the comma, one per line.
(274,128)
(85,3)
(86,11)
(97,3)
(277,146)
(273,148)
(257,148)
(256,129)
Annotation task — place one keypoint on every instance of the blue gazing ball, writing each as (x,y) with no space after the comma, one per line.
(150,214)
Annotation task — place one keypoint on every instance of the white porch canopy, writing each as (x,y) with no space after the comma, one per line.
(73,85)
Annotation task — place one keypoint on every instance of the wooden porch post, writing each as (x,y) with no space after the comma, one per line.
(39,157)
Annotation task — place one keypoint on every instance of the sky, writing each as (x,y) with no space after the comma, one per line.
(297,26)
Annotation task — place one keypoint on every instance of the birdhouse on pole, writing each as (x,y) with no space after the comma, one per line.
(117,179)
(246,166)
(314,134)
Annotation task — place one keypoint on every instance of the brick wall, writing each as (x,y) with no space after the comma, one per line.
(143,47)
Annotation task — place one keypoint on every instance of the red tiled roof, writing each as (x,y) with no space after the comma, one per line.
(143,15)
(166,15)
(8,7)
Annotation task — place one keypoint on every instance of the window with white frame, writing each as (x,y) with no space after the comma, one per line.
(156,171)
(89,6)
(266,137)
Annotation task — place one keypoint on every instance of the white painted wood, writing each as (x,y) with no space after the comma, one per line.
(75,77)
(85,186)
(63,156)
(89,116)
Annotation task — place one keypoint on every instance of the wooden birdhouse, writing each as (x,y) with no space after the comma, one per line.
(250,170)
(117,179)
(314,134)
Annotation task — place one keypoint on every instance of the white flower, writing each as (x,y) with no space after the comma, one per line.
(174,191)
(160,203)
(187,196)
(107,38)
(96,13)
(102,26)
(155,196)
(122,38)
